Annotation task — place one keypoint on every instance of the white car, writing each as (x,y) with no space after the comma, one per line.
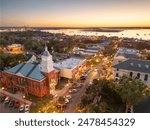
(73,91)
(68,97)
(66,101)
(21,108)
(55,95)
(27,108)
(95,69)
(6,101)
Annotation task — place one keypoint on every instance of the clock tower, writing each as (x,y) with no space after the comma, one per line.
(46,64)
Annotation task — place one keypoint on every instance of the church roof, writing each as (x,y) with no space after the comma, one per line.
(29,70)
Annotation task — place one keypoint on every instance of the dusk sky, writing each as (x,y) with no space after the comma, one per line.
(75,13)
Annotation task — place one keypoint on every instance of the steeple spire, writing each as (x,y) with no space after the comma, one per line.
(46,49)
(46,64)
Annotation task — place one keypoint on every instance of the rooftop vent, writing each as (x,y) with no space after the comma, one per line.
(131,64)
(147,66)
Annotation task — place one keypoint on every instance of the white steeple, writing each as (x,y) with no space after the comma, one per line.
(46,64)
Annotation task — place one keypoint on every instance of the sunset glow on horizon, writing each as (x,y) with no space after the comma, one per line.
(75,13)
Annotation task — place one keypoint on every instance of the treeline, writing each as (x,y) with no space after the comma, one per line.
(10,60)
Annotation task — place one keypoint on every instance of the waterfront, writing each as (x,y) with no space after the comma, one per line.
(129,33)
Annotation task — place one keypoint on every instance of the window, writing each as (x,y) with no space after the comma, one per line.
(138,75)
(146,77)
(117,75)
(131,74)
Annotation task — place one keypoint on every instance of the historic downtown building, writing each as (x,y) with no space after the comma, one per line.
(34,78)
(41,78)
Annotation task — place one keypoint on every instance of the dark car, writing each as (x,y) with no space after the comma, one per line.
(17,104)
(2,98)
(82,78)
(11,103)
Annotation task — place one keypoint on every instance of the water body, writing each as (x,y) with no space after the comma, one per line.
(130,33)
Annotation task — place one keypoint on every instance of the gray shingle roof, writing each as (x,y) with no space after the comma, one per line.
(134,65)
(30,70)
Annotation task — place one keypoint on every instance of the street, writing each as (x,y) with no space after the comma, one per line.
(71,108)
(5,109)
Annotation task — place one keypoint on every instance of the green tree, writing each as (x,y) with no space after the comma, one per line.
(132,91)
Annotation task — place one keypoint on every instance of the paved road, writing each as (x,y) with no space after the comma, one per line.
(76,97)
(5,109)
(143,107)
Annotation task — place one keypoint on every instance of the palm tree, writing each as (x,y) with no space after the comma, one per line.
(132,91)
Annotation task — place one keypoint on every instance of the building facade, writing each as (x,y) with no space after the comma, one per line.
(34,78)
(133,67)
(71,67)
(125,54)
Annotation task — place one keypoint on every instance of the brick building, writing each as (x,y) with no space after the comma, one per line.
(34,78)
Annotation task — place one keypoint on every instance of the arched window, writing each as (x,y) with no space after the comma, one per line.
(131,74)
(138,75)
(146,77)
(117,75)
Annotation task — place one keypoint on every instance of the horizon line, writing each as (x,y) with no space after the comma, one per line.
(74,27)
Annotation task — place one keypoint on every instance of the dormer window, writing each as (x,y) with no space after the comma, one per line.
(131,64)
(139,65)
(147,66)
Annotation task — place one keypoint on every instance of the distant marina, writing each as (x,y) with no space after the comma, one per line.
(129,33)
(109,32)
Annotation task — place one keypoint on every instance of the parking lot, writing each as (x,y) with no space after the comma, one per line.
(5,109)
(13,103)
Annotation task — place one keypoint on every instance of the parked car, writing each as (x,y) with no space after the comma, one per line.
(21,108)
(82,78)
(66,101)
(95,70)
(80,85)
(68,97)
(17,104)
(7,100)
(27,108)
(11,103)
(2,98)
(73,91)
